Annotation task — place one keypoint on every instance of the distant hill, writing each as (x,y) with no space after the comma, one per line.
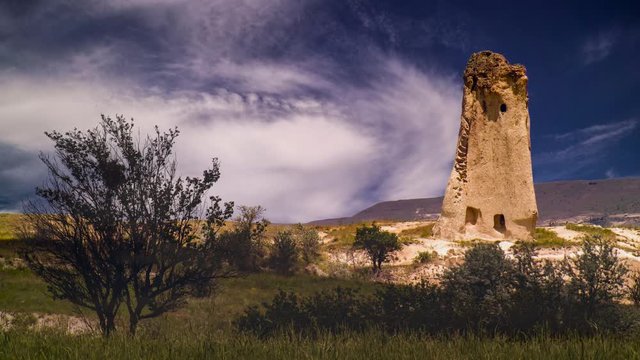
(605,202)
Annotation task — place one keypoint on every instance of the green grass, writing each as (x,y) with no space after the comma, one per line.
(425,231)
(22,291)
(367,346)
(425,257)
(203,329)
(546,238)
(473,242)
(593,231)
(341,236)
(236,294)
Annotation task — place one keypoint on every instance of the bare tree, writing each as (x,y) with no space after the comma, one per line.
(119,225)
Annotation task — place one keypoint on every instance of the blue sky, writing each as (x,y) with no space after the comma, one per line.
(317,108)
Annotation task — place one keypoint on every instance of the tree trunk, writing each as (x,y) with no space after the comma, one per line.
(133,325)
(108,325)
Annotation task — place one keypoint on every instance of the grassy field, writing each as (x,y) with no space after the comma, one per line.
(341,237)
(368,346)
(204,327)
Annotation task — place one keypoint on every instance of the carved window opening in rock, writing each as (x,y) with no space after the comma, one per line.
(503,108)
(472,215)
(499,223)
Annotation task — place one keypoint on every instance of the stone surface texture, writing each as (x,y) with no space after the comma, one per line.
(490,193)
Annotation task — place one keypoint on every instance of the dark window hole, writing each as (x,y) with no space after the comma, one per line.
(503,108)
(472,215)
(499,223)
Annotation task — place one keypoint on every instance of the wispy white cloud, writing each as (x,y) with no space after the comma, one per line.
(293,134)
(597,47)
(578,149)
(300,157)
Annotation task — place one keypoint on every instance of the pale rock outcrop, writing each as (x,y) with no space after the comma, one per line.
(490,192)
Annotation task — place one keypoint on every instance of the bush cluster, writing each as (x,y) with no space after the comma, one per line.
(244,247)
(425,257)
(292,248)
(488,294)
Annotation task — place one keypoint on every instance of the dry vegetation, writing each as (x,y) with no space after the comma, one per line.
(204,327)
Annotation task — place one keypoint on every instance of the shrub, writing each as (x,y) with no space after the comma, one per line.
(379,245)
(634,289)
(308,241)
(333,311)
(489,294)
(596,275)
(540,296)
(410,308)
(284,253)
(425,257)
(243,247)
(478,292)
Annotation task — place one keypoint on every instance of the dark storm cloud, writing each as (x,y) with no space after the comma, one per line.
(20,173)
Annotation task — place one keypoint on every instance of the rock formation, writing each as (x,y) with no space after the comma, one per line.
(490,192)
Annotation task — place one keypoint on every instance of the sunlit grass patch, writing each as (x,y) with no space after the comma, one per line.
(8,225)
(591,230)
(546,238)
(424,231)
(473,242)
(342,236)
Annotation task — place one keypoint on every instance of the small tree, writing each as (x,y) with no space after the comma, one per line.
(596,275)
(119,225)
(478,292)
(379,245)
(243,247)
(284,253)
(308,241)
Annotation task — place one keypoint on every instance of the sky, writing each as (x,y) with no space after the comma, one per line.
(316,108)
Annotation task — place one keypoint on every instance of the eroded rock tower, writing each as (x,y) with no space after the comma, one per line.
(490,192)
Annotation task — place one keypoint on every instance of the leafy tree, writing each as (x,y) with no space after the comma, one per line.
(243,247)
(540,293)
(478,292)
(284,253)
(379,245)
(596,274)
(117,225)
(308,241)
